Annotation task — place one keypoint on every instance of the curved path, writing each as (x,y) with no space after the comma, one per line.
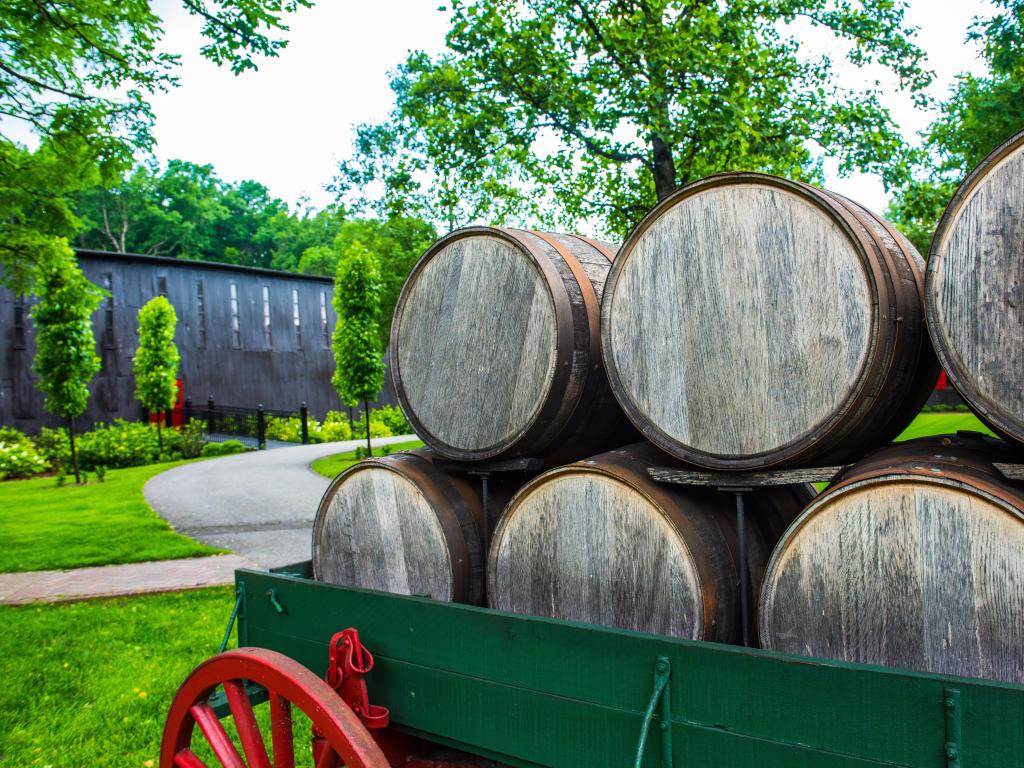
(260,504)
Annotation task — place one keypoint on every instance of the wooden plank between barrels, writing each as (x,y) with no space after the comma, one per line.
(753,479)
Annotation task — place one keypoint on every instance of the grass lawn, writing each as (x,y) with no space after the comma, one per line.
(942,424)
(89,683)
(44,527)
(332,466)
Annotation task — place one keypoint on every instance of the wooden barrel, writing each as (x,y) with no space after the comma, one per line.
(599,542)
(752,322)
(913,559)
(975,290)
(497,347)
(401,524)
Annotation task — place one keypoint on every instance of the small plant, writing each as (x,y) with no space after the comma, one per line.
(226,448)
(20,460)
(62,477)
(361,453)
(101,473)
(190,439)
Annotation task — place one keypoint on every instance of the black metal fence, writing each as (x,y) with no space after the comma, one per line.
(247,424)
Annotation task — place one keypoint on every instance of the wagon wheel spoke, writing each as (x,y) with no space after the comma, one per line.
(187,759)
(290,686)
(245,722)
(281,732)
(218,739)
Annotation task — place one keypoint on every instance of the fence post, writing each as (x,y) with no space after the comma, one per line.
(304,415)
(211,419)
(261,427)
(186,413)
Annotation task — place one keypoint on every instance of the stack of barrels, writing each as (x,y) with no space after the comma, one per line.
(748,324)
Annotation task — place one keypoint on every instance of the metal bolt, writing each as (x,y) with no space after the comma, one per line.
(663,725)
(952,753)
(950,704)
(662,666)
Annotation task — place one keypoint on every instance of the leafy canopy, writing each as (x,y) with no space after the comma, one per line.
(156,359)
(75,75)
(66,359)
(358,362)
(979,115)
(605,106)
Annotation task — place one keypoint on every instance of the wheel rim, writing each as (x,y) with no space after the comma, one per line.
(289,685)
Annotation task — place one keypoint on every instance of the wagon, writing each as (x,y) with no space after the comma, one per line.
(407,681)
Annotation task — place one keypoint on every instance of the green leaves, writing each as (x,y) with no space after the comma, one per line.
(570,110)
(66,360)
(358,362)
(156,359)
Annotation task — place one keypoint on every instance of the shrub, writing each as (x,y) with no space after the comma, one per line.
(121,444)
(392,418)
(191,437)
(377,428)
(335,427)
(54,446)
(223,449)
(288,430)
(20,459)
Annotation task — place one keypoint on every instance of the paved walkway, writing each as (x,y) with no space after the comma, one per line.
(111,580)
(260,505)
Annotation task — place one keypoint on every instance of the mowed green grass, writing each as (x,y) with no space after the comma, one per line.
(43,527)
(89,683)
(332,466)
(942,424)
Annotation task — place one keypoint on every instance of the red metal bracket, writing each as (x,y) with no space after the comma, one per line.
(350,662)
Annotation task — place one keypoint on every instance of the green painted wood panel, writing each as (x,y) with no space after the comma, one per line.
(541,691)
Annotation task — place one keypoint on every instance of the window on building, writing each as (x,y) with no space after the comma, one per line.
(323,319)
(295,318)
(201,312)
(108,311)
(18,342)
(236,327)
(161,285)
(267,337)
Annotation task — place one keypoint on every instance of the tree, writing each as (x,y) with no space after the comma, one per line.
(77,75)
(66,358)
(156,360)
(604,106)
(358,362)
(979,115)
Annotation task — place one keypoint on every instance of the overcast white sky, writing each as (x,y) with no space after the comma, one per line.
(290,123)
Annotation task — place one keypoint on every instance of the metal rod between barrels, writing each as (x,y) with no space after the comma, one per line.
(744,576)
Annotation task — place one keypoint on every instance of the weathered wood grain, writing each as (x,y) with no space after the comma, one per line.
(917,563)
(600,542)
(753,479)
(975,290)
(477,343)
(498,347)
(751,322)
(399,524)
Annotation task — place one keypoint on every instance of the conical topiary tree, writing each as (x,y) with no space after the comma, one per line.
(156,359)
(66,358)
(358,361)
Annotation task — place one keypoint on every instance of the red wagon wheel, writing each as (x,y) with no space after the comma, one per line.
(289,684)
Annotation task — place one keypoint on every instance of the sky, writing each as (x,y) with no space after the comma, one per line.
(289,124)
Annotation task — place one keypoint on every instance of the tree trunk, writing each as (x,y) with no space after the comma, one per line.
(664,168)
(74,454)
(159,432)
(366,412)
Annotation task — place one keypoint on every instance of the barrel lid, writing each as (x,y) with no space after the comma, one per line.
(739,318)
(916,569)
(579,543)
(475,342)
(975,289)
(375,528)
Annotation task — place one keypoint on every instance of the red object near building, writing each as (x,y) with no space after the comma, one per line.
(176,416)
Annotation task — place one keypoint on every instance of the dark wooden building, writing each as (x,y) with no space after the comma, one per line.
(247,337)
